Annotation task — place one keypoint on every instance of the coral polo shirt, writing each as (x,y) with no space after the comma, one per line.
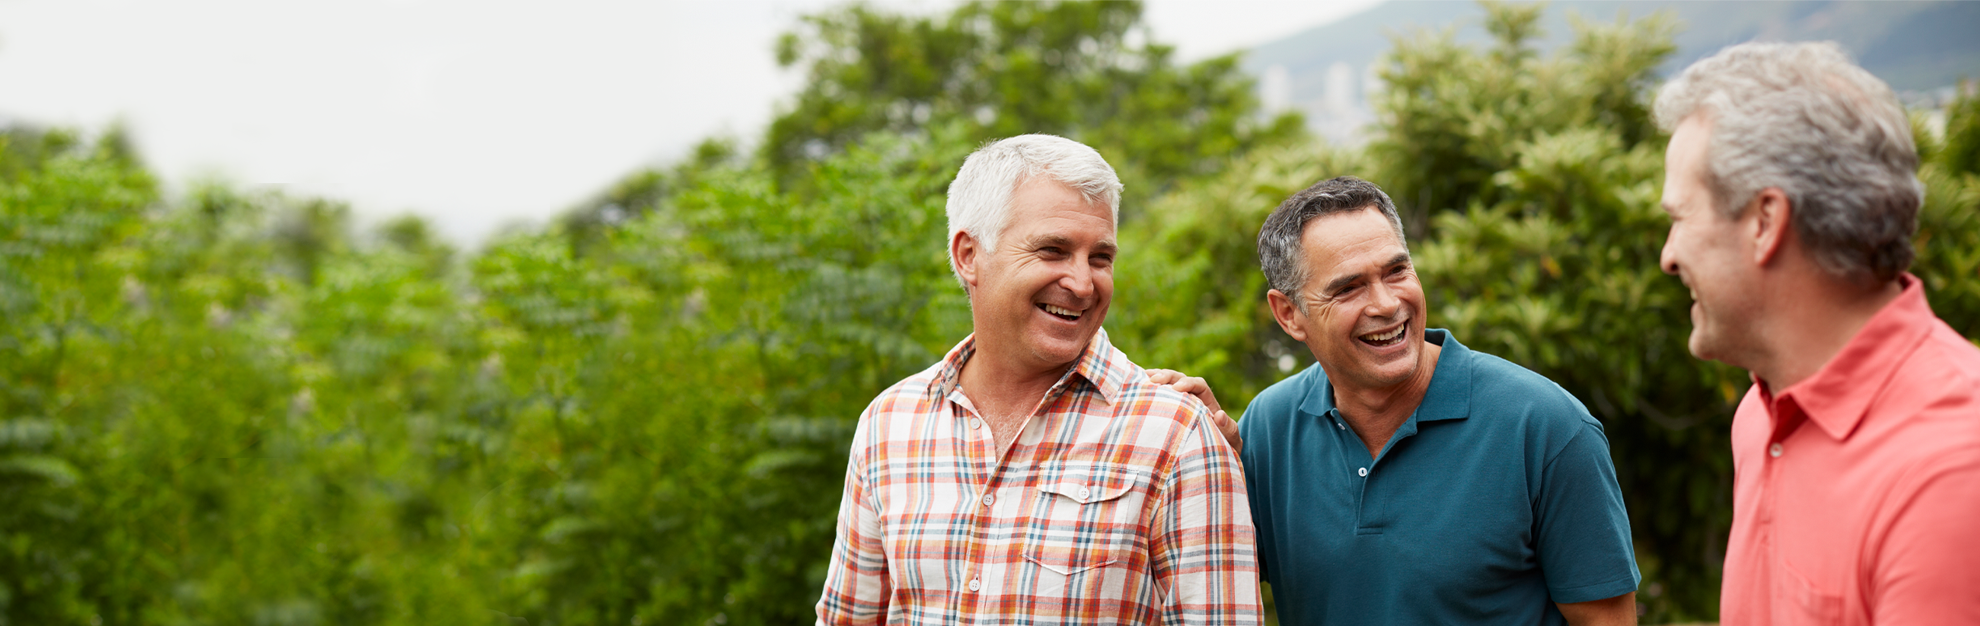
(1856,496)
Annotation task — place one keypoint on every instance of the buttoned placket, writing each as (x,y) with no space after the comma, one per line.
(982,444)
(1785,417)
(1353,450)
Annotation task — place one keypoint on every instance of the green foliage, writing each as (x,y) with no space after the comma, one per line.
(1948,239)
(231,407)
(1085,70)
(1452,117)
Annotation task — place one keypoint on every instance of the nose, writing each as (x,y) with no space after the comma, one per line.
(1079,281)
(1385,302)
(1667,260)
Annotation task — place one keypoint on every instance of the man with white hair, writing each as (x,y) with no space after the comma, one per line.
(1791,184)
(1035,474)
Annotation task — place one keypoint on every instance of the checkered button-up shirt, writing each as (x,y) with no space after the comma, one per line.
(1119,503)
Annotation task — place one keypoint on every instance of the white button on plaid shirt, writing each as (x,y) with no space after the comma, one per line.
(1119,503)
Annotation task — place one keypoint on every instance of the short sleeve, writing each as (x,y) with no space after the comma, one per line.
(1926,569)
(1254,429)
(1582,539)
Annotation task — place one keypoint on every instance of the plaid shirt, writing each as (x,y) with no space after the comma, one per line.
(1118,503)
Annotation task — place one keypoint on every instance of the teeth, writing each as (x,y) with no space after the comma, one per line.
(1059,311)
(1385,336)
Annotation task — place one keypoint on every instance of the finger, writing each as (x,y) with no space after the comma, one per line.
(1229,428)
(1164,377)
(1201,389)
(1191,385)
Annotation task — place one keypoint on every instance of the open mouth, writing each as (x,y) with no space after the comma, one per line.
(1060,312)
(1385,339)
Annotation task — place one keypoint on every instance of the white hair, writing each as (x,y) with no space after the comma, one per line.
(980,197)
(1803,118)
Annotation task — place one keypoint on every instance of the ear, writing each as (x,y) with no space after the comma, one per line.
(1287,313)
(1773,223)
(964,250)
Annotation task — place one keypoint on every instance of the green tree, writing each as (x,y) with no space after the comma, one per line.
(1086,70)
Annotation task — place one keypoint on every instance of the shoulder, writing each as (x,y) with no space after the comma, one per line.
(1935,398)
(1278,404)
(1951,355)
(909,397)
(918,387)
(1143,400)
(1517,407)
(1501,386)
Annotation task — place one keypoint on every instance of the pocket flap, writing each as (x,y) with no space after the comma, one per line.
(1067,562)
(1087,493)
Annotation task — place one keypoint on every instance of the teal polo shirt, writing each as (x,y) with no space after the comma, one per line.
(1494,501)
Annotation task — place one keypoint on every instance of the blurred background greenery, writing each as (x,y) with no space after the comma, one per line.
(230,406)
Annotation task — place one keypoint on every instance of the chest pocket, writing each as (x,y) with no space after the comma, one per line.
(1798,601)
(1087,516)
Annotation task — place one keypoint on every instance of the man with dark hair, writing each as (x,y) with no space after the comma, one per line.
(1792,189)
(1405,478)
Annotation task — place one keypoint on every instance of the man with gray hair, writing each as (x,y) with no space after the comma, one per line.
(1791,184)
(1034,474)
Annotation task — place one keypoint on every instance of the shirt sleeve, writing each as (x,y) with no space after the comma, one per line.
(1248,462)
(1583,540)
(1204,556)
(1927,570)
(856,581)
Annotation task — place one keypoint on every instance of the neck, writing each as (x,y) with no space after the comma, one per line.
(1376,412)
(1811,320)
(1005,392)
(999,384)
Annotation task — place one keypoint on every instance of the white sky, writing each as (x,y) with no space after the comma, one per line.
(473,114)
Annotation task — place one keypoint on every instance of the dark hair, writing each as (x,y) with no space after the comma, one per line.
(1279,252)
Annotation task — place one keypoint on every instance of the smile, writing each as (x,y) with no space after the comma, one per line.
(1383,340)
(1060,312)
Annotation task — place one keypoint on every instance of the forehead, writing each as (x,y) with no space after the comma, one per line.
(1348,236)
(1684,162)
(1042,206)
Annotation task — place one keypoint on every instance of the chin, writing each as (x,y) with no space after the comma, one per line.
(1060,350)
(1705,346)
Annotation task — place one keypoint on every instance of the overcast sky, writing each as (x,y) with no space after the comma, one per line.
(474,114)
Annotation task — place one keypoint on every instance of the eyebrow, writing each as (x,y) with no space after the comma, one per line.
(1338,283)
(1106,246)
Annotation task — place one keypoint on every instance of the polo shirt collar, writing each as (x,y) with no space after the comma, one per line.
(1100,365)
(1449,396)
(1838,396)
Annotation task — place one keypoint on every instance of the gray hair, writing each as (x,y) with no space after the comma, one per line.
(1803,118)
(1280,253)
(980,197)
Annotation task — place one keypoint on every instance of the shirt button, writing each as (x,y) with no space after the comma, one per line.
(989,500)
(1364,471)
(975,423)
(1083,493)
(1774,450)
(1340,425)
(975,584)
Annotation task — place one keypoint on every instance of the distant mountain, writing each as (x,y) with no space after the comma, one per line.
(1911,45)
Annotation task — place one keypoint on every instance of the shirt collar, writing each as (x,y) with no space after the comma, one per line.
(1449,396)
(1838,395)
(1099,365)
